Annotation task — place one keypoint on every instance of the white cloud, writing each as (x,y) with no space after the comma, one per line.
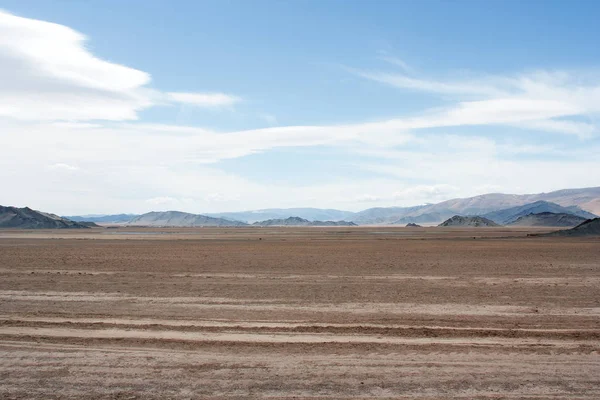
(142,168)
(48,74)
(204,99)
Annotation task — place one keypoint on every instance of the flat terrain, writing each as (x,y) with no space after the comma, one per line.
(342,312)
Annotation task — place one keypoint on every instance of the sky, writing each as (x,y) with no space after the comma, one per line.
(208,106)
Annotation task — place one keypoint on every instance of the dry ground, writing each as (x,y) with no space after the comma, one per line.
(298,313)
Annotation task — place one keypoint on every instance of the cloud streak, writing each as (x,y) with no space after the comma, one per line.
(540,101)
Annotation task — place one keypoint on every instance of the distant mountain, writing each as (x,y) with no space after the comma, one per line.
(382,215)
(584,202)
(510,215)
(89,224)
(475,221)
(103,219)
(26,218)
(297,221)
(433,217)
(587,199)
(590,227)
(311,214)
(180,219)
(548,219)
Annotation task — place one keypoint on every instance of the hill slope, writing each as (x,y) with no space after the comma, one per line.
(548,219)
(476,221)
(297,221)
(180,219)
(26,218)
(590,227)
(510,215)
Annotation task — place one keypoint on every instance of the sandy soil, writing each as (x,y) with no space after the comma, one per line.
(298,313)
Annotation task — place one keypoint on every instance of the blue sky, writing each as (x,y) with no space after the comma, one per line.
(208,106)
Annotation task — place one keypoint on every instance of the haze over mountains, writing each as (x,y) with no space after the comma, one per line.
(311,214)
(296,221)
(102,219)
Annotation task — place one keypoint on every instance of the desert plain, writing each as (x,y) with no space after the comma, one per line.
(312,313)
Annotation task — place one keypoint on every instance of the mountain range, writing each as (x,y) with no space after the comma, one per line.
(498,207)
(510,215)
(178,218)
(297,221)
(587,199)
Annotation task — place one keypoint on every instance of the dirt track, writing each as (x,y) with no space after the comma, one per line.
(298,313)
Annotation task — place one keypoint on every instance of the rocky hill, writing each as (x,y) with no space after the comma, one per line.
(413,225)
(548,219)
(180,219)
(590,227)
(297,221)
(26,218)
(476,221)
(509,215)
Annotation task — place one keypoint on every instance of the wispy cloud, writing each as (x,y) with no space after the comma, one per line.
(395,61)
(543,100)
